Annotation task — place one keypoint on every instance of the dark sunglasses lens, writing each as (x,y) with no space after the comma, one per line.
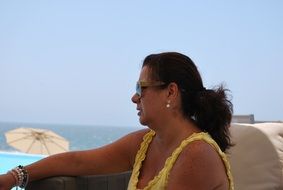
(138,89)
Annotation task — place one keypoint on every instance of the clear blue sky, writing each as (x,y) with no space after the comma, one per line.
(77,62)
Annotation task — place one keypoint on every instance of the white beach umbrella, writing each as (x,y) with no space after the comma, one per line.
(36,141)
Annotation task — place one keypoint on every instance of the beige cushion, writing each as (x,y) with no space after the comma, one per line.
(257,157)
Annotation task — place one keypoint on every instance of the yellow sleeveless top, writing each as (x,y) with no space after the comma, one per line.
(159,182)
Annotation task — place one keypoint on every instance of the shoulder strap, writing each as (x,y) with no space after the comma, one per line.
(141,154)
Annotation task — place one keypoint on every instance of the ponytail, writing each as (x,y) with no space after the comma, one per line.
(213,114)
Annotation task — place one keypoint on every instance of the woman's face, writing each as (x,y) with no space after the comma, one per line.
(150,102)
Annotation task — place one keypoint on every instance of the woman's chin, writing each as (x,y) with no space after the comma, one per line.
(142,121)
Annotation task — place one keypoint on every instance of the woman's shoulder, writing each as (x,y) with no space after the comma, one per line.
(200,161)
(138,134)
(133,141)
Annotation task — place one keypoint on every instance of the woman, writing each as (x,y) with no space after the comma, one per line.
(182,147)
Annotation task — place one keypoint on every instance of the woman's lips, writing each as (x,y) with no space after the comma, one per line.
(139,112)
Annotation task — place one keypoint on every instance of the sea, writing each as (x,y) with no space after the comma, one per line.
(80,137)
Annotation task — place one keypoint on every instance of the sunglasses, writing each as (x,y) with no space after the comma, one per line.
(143,84)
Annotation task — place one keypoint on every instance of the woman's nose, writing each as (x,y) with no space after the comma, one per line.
(135,98)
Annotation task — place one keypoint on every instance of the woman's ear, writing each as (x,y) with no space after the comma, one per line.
(173,90)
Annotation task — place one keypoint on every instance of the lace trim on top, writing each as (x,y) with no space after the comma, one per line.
(141,154)
(165,171)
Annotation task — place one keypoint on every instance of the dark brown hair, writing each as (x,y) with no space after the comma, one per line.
(210,109)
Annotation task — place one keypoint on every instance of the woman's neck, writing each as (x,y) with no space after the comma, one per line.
(173,131)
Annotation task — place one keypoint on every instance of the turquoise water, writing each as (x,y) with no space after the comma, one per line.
(11,160)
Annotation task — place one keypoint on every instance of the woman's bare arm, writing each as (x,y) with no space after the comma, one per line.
(116,157)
